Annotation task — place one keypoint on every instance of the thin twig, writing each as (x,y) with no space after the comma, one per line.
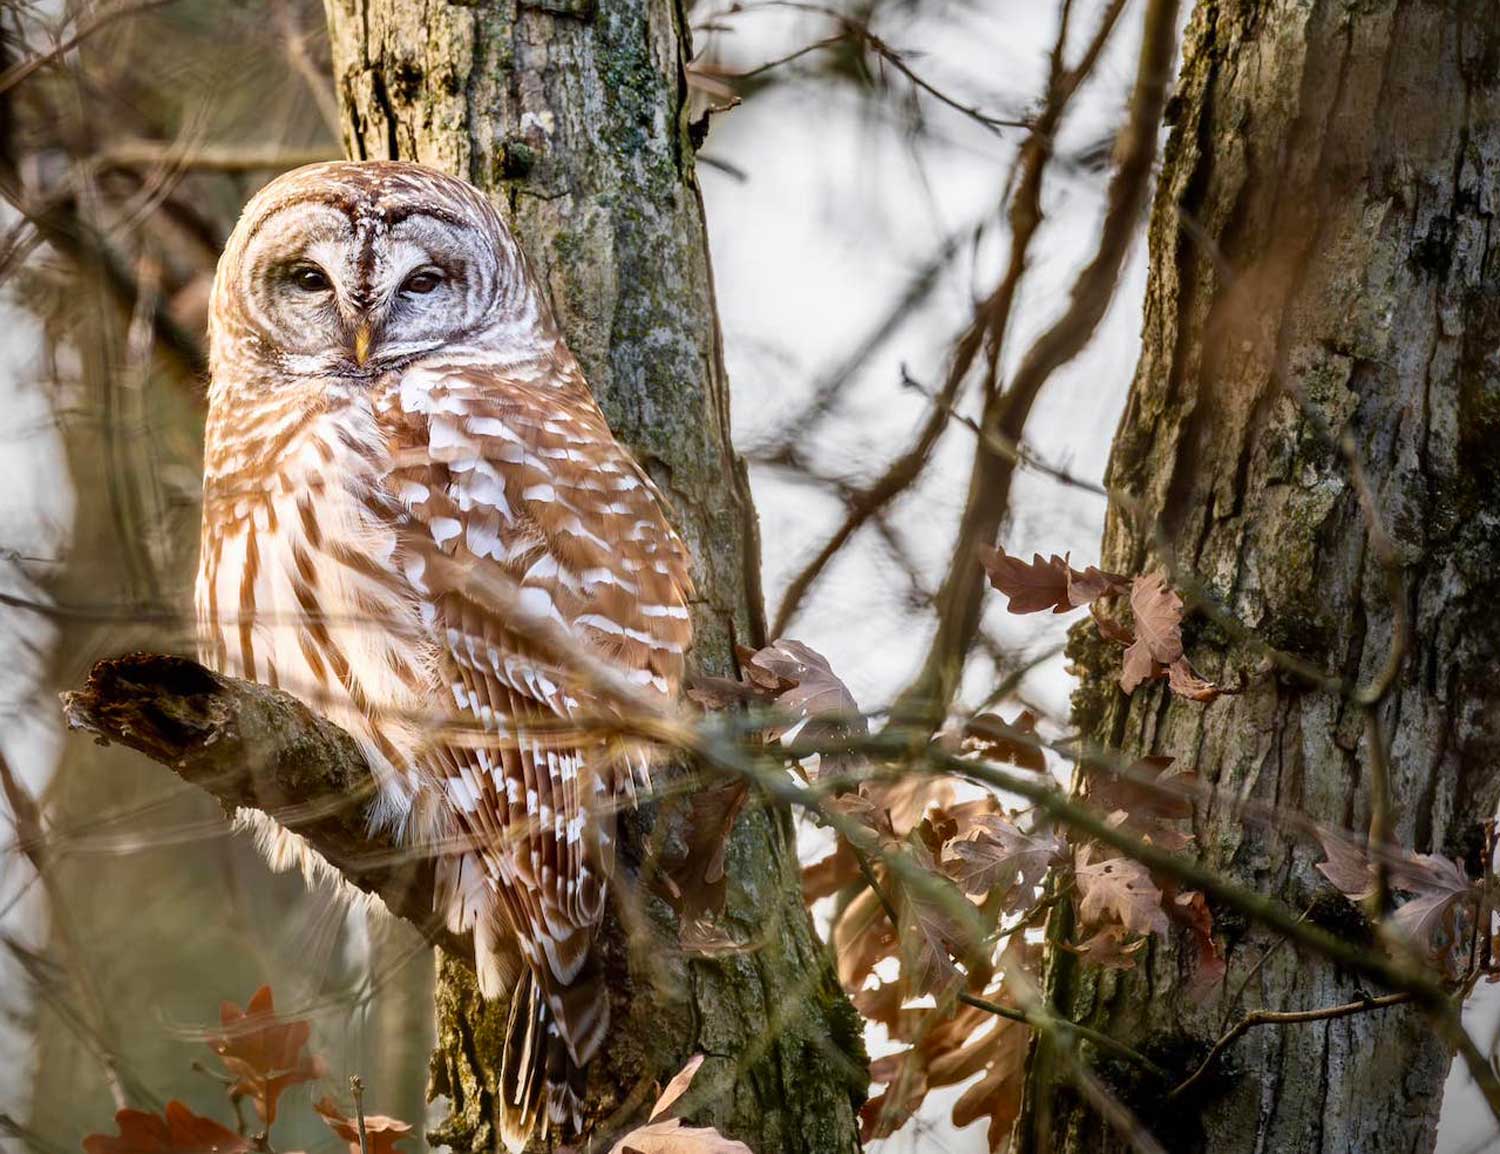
(86,28)
(1006,414)
(357,1088)
(985,330)
(1282,1018)
(209,157)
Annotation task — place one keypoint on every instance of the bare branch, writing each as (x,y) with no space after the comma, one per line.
(208,157)
(1282,1018)
(1006,414)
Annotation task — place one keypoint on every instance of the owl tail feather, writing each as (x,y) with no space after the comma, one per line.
(541,1086)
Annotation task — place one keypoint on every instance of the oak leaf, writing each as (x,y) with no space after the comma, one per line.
(805,687)
(668,1135)
(1030,588)
(831,873)
(996,853)
(1183,680)
(1008,742)
(381,1132)
(264,1054)
(1051,584)
(933,928)
(1143,800)
(903,801)
(677,1087)
(949,1047)
(863,937)
(1190,908)
(1119,889)
(1093,584)
(1158,631)
(1112,947)
(178,1131)
(1348,866)
(691,871)
(1438,886)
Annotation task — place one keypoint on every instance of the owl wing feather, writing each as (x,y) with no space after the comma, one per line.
(522,479)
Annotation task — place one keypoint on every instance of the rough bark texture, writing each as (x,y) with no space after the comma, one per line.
(1322,228)
(572,117)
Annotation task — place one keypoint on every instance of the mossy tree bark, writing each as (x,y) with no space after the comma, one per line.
(1320,260)
(572,117)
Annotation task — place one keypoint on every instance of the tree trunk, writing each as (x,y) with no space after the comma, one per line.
(1319,261)
(572,117)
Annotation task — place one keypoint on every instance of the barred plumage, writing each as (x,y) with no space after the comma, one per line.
(391,409)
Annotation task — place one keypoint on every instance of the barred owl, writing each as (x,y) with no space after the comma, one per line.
(392,412)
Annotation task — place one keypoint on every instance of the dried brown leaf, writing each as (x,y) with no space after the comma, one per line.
(265,1054)
(1030,588)
(828,875)
(1158,631)
(1158,617)
(1348,866)
(1009,742)
(862,938)
(672,1137)
(949,1048)
(1110,629)
(677,1087)
(995,853)
(997,1095)
(690,871)
(1089,586)
(1138,667)
(1144,800)
(1119,889)
(931,931)
(1190,908)
(1184,681)
(806,688)
(1112,947)
(905,800)
(381,1131)
(178,1131)
(1439,886)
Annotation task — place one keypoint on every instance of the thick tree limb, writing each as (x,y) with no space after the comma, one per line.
(258,748)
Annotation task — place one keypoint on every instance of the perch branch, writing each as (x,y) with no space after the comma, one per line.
(257,748)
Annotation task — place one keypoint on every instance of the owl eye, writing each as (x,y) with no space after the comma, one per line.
(310,279)
(422,281)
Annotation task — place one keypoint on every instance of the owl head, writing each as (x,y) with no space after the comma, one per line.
(347,270)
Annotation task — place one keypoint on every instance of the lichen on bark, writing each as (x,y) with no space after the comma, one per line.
(1320,261)
(571,115)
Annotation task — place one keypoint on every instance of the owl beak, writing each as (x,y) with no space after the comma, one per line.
(362,344)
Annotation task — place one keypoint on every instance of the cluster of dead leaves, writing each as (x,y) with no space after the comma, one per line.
(1153,648)
(928,887)
(1440,897)
(263,1056)
(969,866)
(997,861)
(808,702)
(1121,901)
(944,1049)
